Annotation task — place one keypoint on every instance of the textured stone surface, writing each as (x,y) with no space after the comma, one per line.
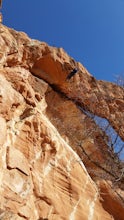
(42,126)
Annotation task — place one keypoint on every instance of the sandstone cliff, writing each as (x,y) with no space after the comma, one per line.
(54,159)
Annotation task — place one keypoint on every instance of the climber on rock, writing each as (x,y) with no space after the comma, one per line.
(0,3)
(72,73)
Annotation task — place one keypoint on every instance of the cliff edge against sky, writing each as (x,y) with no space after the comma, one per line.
(55,162)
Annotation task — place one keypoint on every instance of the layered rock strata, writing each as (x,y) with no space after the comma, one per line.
(47,134)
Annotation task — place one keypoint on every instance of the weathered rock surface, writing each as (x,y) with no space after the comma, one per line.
(46,133)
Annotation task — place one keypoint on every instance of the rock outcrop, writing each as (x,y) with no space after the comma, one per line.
(54,158)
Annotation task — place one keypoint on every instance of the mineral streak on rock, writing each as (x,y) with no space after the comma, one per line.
(42,174)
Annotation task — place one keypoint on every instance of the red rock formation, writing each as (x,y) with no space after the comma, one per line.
(42,175)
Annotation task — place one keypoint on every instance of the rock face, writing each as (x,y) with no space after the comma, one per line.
(47,134)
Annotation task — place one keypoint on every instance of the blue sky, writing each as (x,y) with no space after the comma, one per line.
(91,31)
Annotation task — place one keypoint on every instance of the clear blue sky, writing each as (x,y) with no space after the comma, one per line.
(91,31)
